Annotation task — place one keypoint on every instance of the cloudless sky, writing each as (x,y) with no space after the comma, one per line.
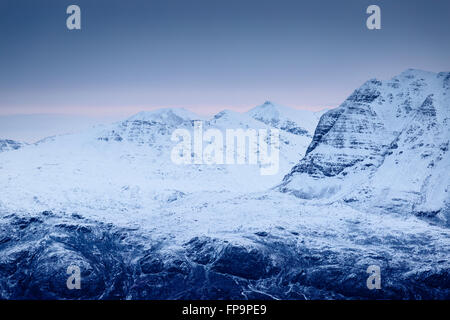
(207,55)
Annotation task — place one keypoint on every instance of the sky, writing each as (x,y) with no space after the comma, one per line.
(208,55)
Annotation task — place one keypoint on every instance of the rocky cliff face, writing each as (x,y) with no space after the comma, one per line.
(127,263)
(294,121)
(385,147)
(8,145)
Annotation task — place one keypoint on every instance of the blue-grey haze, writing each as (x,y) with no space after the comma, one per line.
(207,55)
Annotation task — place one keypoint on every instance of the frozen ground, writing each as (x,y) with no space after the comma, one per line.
(263,245)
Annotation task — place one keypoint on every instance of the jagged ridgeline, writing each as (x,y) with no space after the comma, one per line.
(386,147)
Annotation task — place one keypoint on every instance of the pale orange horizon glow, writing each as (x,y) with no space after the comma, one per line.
(125,111)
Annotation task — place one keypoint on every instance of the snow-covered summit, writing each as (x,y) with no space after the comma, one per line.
(295,121)
(166,116)
(412,73)
(227,119)
(385,147)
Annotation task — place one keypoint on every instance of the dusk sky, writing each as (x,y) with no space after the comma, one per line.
(208,55)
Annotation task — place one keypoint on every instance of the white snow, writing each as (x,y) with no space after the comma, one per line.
(401,141)
(122,173)
(126,166)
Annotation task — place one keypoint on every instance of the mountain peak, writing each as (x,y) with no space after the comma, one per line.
(292,120)
(268,108)
(165,115)
(415,73)
(391,134)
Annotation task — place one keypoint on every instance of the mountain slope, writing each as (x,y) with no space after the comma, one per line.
(385,147)
(127,165)
(298,122)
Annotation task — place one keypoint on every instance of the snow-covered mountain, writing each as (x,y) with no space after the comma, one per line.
(155,128)
(128,164)
(111,201)
(298,122)
(386,147)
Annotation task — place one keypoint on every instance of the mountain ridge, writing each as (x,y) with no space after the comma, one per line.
(367,138)
(139,227)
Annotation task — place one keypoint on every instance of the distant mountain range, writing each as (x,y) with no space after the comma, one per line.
(136,152)
(30,128)
(363,184)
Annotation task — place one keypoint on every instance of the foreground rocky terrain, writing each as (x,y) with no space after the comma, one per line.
(303,260)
